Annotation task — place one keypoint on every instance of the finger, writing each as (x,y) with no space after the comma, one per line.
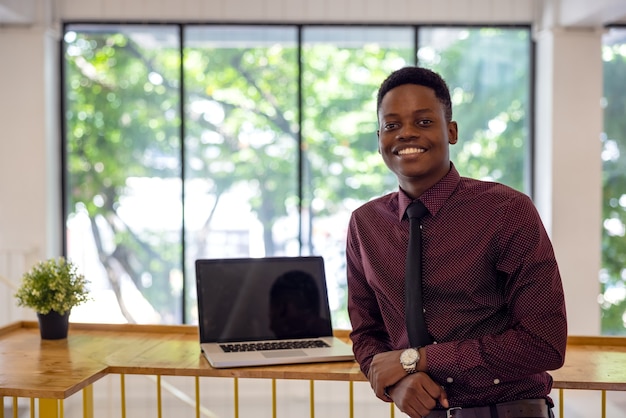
(434,390)
(387,395)
(380,394)
(382,373)
(425,406)
(434,393)
(414,412)
(443,398)
(384,397)
(373,378)
(380,391)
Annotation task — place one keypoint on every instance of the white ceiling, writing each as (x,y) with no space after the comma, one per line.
(18,11)
(591,13)
(568,13)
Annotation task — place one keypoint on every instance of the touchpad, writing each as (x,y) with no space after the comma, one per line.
(286,353)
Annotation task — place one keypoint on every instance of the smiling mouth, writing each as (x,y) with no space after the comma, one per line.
(409,151)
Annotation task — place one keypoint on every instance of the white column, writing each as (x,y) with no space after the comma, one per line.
(568,174)
(30,187)
(23,159)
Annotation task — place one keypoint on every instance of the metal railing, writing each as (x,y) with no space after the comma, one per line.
(188,401)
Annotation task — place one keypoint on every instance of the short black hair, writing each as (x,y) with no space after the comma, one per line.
(421,77)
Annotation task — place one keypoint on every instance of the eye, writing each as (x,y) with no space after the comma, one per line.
(424,122)
(390,126)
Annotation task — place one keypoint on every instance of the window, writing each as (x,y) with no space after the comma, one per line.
(204,141)
(123,169)
(613,274)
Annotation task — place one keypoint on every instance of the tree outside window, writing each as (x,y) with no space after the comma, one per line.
(205,141)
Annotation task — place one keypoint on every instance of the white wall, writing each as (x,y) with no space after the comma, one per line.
(421,11)
(22,139)
(23,201)
(568,165)
(29,140)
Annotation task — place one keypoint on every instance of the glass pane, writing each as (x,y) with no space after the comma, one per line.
(342,69)
(241,144)
(123,182)
(613,274)
(488,72)
(256,182)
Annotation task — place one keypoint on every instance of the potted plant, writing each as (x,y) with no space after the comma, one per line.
(52,288)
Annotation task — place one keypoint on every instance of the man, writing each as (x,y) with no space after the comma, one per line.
(492,294)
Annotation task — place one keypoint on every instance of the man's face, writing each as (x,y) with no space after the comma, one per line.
(413,137)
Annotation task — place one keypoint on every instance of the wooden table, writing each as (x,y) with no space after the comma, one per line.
(55,369)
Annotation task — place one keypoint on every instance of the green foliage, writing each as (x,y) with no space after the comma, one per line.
(305,151)
(52,285)
(123,124)
(613,275)
(490,94)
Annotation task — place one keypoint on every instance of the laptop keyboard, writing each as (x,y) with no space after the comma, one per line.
(275,345)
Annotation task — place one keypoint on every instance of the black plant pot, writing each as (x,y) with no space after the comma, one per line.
(53,326)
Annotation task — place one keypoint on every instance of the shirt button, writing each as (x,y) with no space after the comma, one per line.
(496,381)
(449,380)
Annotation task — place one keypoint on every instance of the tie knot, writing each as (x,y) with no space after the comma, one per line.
(416,210)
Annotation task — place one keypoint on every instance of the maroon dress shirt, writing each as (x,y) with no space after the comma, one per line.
(493,297)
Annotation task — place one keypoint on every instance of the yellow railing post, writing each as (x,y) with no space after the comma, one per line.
(87,402)
(197,396)
(312,395)
(351,398)
(236,396)
(49,408)
(15,412)
(159,410)
(603,403)
(123,394)
(561,405)
(273,398)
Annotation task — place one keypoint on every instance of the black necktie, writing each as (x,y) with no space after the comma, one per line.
(416,326)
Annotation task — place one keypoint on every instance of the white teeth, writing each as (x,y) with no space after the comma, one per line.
(410,151)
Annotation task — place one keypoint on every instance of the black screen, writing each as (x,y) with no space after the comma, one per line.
(248,299)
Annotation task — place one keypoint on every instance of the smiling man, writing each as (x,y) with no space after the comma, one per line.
(492,300)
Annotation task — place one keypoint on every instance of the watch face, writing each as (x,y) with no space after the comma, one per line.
(409,356)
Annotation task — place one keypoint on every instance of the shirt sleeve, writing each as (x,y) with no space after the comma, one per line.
(537,334)
(369,336)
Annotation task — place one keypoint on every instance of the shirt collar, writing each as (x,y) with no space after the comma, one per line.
(435,197)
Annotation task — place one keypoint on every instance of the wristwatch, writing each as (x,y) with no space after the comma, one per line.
(409,359)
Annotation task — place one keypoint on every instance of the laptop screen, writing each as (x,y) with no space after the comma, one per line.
(254,299)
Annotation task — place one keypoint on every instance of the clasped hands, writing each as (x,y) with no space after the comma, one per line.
(415,394)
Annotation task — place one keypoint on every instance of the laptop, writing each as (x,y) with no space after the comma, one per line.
(265,311)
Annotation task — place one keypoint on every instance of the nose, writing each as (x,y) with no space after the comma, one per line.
(407,131)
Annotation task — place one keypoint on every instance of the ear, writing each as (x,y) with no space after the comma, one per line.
(378,140)
(453,132)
